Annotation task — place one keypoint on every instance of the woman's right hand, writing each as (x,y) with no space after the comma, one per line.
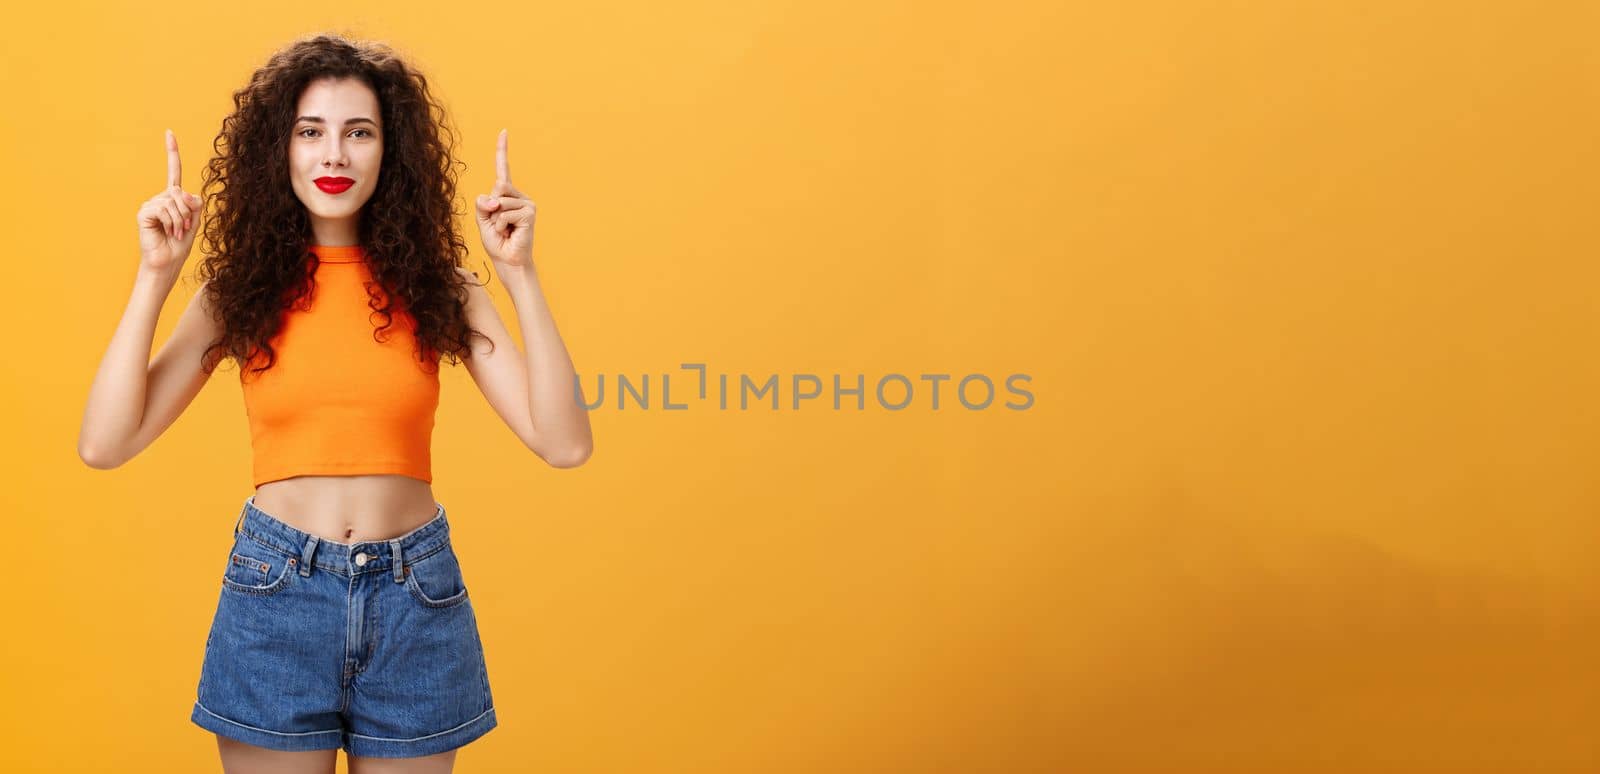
(170,219)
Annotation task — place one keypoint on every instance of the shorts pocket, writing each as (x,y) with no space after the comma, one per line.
(435,580)
(255,569)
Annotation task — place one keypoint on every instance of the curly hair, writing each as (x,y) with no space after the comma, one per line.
(258,262)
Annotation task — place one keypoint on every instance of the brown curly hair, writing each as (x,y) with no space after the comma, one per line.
(258,261)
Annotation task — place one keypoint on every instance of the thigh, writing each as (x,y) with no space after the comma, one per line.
(439,763)
(243,758)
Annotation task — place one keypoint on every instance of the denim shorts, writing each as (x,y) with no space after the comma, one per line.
(372,647)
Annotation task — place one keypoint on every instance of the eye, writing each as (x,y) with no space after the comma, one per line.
(302,132)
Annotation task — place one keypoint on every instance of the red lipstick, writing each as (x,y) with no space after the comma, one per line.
(334,185)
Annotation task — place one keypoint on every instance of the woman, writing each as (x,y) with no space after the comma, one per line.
(332,277)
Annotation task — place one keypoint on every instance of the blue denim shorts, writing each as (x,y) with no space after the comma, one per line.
(372,647)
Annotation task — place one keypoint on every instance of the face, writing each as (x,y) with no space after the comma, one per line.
(336,135)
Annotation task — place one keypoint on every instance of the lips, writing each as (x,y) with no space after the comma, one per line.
(334,185)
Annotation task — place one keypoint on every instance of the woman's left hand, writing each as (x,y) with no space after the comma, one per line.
(505,217)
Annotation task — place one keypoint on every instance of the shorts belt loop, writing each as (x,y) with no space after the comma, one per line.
(399,564)
(305,555)
(240,520)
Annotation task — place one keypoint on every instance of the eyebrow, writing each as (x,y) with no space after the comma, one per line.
(348,121)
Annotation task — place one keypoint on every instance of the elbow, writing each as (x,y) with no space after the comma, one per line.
(568,457)
(98,457)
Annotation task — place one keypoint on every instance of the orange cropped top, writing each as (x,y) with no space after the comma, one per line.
(338,401)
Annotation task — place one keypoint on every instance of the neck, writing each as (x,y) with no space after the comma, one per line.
(334,232)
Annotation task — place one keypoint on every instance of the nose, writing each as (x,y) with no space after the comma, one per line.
(334,155)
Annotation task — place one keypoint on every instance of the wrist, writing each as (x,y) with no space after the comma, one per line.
(523,272)
(166,276)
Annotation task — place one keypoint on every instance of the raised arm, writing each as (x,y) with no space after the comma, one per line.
(556,425)
(133,399)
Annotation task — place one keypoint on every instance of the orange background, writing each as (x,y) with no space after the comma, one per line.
(1306,292)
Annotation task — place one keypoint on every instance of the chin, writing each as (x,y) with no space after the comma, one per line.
(339,214)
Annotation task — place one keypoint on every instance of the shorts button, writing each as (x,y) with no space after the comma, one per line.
(361,560)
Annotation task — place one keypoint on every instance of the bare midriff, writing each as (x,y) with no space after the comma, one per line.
(349,509)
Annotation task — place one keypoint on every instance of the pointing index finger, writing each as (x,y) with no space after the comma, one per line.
(174,167)
(502,168)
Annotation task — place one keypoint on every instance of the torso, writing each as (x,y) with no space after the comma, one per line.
(349,509)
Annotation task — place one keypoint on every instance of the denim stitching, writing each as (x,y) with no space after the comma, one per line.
(263,730)
(445,604)
(269,589)
(266,545)
(448,602)
(409,558)
(429,736)
(251,565)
